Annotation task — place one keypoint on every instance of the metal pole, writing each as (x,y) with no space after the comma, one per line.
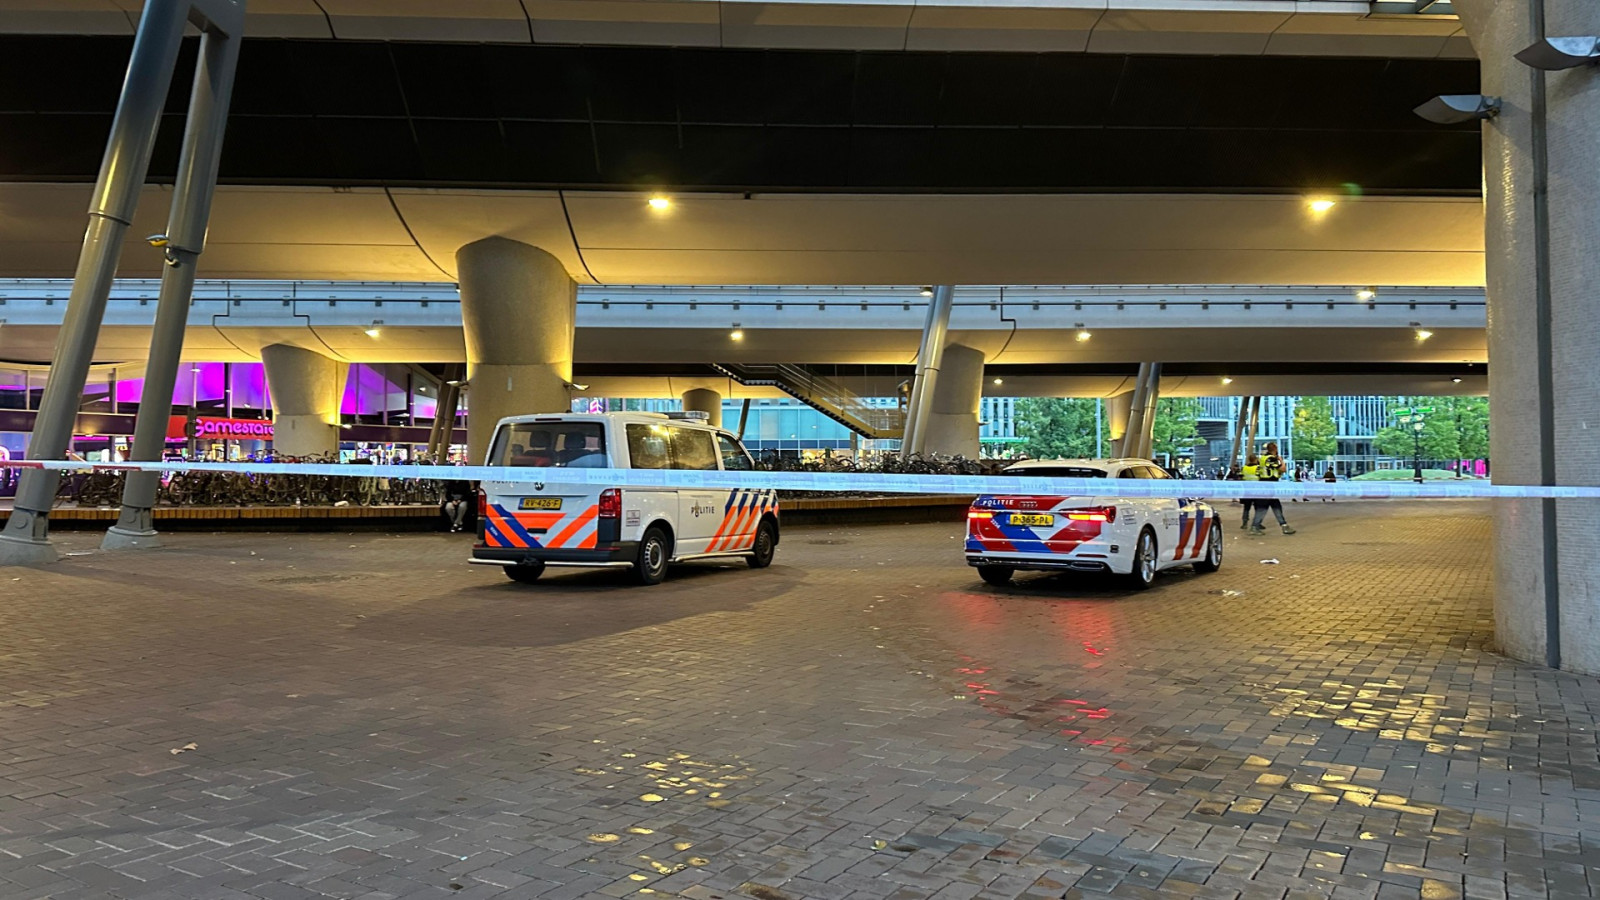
(1238,435)
(1539,149)
(744,416)
(930,356)
(1099,407)
(116,194)
(1152,396)
(1129,445)
(185,241)
(1255,420)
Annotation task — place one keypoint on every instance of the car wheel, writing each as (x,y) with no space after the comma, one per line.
(651,566)
(1144,561)
(765,546)
(996,575)
(526,573)
(1212,561)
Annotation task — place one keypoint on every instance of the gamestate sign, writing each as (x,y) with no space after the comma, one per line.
(217,428)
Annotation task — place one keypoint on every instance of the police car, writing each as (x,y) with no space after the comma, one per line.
(1135,538)
(526,526)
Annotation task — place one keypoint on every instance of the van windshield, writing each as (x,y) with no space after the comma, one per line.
(558,444)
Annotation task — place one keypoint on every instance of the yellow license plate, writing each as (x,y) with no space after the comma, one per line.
(1025,519)
(540,503)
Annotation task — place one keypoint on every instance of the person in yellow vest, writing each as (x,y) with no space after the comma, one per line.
(1250,471)
(1270,468)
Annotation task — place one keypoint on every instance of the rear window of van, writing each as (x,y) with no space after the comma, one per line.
(550,444)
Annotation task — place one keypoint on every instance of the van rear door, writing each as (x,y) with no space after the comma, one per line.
(545,513)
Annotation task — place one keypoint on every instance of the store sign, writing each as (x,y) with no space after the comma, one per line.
(215,428)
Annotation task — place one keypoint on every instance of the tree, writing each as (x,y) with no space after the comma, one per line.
(1315,436)
(1175,431)
(1439,438)
(1472,426)
(1054,427)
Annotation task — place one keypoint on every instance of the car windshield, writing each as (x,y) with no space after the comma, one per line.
(555,443)
(1056,472)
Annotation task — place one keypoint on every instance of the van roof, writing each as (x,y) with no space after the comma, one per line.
(642,418)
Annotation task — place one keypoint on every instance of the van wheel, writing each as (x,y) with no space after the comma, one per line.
(651,566)
(526,573)
(766,545)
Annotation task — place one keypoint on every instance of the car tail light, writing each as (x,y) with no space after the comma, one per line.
(611,503)
(1094,514)
(979,514)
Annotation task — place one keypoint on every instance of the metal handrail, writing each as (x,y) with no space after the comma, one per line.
(826,395)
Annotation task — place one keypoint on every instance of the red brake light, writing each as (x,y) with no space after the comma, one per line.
(483,502)
(611,503)
(1094,514)
(979,514)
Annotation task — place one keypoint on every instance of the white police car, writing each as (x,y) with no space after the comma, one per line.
(1134,537)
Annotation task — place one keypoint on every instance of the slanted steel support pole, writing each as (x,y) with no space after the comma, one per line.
(1255,420)
(26,538)
(1129,445)
(1147,430)
(929,358)
(185,241)
(1238,435)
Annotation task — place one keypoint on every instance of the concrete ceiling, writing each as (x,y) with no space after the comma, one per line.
(370,234)
(1233,27)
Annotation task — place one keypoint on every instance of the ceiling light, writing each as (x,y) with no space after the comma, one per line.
(659,203)
(1366,294)
(1455,381)
(1453,109)
(376,328)
(999,381)
(736,335)
(1554,53)
(1082,335)
(1322,205)
(574,386)
(1227,380)
(1423,334)
(452,382)
(194,368)
(926,291)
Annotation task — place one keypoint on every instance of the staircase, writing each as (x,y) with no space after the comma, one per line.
(822,394)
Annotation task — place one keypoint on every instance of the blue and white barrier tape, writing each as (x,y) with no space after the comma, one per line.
(865,481)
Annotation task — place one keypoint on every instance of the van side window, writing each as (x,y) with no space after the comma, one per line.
(693,449)
(647,447)
(734,459)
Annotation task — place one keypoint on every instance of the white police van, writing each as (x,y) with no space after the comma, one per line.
(528,525)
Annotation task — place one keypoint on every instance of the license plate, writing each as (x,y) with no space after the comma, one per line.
(1027,519)
(540,503)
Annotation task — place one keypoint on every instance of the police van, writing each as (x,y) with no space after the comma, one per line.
(526,526)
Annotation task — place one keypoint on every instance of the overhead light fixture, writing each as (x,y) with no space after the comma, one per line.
(345,427)
(194,368)
(736,334)
(1082,335)
(660,203)
(1423,334)
(453,382)
(1366,293)
(999,381)
(1553,54)
(1455,381)
(1322,205)
(1227,380)
(574,386)
(926,291)
(376,329)
(1453,109)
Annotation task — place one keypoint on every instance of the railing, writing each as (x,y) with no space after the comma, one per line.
(823,394)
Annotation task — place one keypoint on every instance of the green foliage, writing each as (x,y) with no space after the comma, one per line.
(1315,435)
(1439,437)
(1175,431)
(1053,427)
(1472,425)
(1404,475)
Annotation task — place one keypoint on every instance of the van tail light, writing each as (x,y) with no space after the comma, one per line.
(1094,514)
(611,503)
(483,502)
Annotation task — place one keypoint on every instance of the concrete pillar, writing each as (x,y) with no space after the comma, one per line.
(952,423)
(1118,409)
(307,389)
(704,400)
(1129,445)
(1543,381)
(518,309)
(1147,424)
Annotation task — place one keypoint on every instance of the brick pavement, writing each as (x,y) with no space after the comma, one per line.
(866,719)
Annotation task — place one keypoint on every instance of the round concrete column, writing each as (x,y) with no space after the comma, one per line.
(1118,410)
(704,400)
(957,396)
(518,309)
(1529,424)
(307,389)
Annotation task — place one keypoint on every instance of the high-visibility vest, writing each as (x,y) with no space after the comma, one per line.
(1252,473)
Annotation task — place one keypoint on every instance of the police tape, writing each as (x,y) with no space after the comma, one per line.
(551,479)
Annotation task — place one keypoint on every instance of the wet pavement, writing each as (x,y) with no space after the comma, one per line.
(371,718)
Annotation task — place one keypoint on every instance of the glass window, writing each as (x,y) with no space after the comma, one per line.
(1157,472)
(647,447)
(734,459)
(1129,472)
(556,443)
(693,449)
(1055,472)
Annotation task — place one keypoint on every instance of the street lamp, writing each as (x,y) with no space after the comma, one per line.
(1416,451)
(1453,109)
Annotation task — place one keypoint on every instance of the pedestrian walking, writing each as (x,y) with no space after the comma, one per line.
(1329,477)
(1270,469)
